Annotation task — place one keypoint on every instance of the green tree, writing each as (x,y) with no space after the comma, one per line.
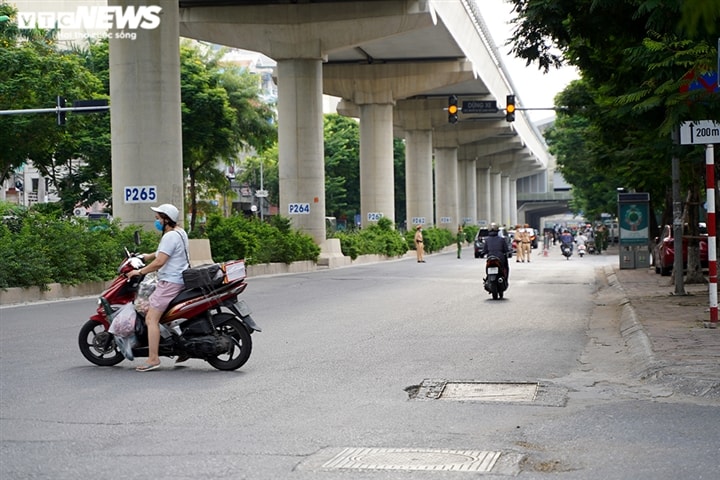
(222,114)
(633,57)
(32,74)
(636,57)
(342,166)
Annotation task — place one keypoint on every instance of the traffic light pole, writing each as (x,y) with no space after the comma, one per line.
(54,110)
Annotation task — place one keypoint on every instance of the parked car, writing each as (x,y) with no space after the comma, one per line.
(664,250)
(480,236)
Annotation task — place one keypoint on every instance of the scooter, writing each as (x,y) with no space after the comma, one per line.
(207,322)
(581,250)
(495,281)
(566,250)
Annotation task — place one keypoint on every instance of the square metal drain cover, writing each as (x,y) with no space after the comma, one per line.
(489,392)
(528,393)
(413,459)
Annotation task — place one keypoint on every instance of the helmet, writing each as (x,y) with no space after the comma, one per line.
(170,210)
(494,226)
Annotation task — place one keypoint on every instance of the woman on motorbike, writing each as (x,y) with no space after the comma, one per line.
(170,259)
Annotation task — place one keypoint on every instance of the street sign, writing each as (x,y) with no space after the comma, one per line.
(480,106)
(710,82)
(699,132)
(261,193)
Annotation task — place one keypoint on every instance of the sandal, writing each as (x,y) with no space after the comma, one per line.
(146,367)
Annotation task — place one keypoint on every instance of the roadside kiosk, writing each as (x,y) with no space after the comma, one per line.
(634,225)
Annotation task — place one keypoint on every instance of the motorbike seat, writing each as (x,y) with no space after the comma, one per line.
(185,295)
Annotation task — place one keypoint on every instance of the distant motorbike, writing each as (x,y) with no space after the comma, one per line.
(208,323)
(591,247)
(566,250)
(495,281)
(581,250)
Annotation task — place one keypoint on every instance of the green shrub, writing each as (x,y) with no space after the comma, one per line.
(470,231)
(258,242)
(380,238)
(434,239)
(39,247)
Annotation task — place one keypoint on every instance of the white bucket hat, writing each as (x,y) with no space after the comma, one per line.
(170,210)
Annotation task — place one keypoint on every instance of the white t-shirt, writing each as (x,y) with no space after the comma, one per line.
(173,245)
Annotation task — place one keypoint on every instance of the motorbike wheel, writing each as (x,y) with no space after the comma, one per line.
(242,344)
(98,346)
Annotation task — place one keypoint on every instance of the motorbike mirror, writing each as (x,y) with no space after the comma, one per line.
(136,237)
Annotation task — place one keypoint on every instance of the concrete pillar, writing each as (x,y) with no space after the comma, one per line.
(446,188)
(301,167)
(506,208)
(468,212)
(418,177)
(496,198)
(145,120)
(513,201)
(377,179)
(484,197)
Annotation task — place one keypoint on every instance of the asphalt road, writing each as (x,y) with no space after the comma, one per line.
(343,361)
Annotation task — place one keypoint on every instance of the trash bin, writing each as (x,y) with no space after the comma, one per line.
(627,257)
(642,258)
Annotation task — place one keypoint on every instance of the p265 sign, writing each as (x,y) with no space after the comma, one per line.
(142,194)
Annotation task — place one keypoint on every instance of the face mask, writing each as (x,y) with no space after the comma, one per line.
(159,225)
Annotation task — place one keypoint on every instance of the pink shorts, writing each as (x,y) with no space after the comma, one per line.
(164,293)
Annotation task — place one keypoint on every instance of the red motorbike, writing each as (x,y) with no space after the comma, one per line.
(207,322)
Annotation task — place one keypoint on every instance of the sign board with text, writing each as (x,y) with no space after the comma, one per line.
(479,106)
(699,132)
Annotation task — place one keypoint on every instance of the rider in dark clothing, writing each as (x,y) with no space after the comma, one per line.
(497,246)
(567,239)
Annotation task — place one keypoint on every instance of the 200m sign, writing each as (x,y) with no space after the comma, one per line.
(141,194)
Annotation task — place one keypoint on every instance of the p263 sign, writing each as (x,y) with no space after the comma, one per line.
(142,194)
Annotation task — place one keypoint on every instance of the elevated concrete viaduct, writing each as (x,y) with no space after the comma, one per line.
(394,63)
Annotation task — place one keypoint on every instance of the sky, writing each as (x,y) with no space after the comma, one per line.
(536,89)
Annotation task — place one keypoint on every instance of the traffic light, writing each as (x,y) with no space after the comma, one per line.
(60,115)
(510,108)
(452,109)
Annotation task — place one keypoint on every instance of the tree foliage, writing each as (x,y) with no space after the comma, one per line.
(221,115)
(33,72)
(342,166)
(635,57)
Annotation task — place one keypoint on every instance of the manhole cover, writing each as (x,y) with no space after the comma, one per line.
(529,393)
(413,459)
(490,392)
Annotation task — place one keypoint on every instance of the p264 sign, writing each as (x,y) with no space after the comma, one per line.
(142,194)
(298,208)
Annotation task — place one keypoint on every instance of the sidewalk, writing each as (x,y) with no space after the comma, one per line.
(669,331)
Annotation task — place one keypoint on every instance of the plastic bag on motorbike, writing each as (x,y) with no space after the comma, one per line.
(125,345)
(145,289)
(123,321)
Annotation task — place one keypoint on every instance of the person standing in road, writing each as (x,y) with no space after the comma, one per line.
(602,238)
(527,242)
(459,238)
(170,259)
(419,247)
